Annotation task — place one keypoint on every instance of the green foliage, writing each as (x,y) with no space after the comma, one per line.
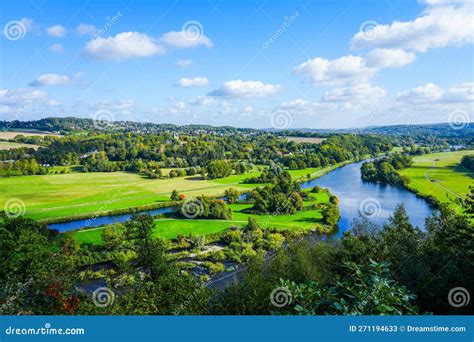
(385,170)
(367,291)
(218,169)
(232,195)
(467,161)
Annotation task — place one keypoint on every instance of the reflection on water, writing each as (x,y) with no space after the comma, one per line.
(346,184)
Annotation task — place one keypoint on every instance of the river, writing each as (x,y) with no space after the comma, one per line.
(377,200)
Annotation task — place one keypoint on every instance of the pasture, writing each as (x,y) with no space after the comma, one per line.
(440,175)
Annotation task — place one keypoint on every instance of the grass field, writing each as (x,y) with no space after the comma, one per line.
(440,175)
(170,228)
(64,195)
(6,145)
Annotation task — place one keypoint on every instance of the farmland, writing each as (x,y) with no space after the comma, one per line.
(440,175)
(300,140)
(64,195)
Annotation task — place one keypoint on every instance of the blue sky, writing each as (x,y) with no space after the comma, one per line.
(282,64)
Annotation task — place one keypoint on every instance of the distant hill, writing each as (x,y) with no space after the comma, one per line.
(442,130)
(71,124)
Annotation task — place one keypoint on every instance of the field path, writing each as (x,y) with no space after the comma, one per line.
(437,182)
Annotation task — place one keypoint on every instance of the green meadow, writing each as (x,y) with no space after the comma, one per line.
(56,196)
(170,228)
(440,175)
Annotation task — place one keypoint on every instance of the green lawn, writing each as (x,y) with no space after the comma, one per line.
(440,175)
(169,228)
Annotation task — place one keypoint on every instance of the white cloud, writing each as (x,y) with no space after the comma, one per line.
(389,58)
(431,94)
(57,31)
(437,27)
(50,80)
(57,48)
(20,101)
(245,89)
(125,45)
(86,29)
(463,92)
(359,94)
(182,40)
(184,63)
(193,82)
(334,72)
(428,93)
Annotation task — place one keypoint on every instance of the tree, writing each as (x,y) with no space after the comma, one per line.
(218,169)
(174,195)
(150,252)
(331,215)
(232,195)
(112,237)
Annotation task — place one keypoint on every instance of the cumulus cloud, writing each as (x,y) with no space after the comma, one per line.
(56,48)
(245,89)
(50,80)
(86,29)
(193,82)
(335,72)
(56,31)
(125,45)
(389,58)
(182,40)
(431,94)
(437,27)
